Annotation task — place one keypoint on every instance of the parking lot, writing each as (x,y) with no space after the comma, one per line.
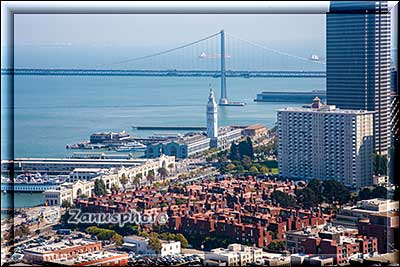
(175,260)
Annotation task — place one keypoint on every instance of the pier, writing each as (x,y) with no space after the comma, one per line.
(179,128)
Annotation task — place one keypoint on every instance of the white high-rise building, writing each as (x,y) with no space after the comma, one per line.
(212,116)
(324,142)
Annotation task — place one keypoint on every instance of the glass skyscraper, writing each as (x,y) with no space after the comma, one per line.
(358,62)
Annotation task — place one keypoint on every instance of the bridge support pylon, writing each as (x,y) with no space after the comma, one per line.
(223,98)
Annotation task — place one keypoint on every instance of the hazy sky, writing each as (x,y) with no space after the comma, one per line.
(170,29)
(151,29)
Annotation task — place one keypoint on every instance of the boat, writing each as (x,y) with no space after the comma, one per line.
(231,103)
(132,147)
(30,183)
(314,57)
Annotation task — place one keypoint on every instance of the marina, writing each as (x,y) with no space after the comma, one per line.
(110,141)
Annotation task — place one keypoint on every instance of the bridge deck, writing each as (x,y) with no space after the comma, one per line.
(162,73)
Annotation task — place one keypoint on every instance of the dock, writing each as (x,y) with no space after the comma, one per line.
(179,128)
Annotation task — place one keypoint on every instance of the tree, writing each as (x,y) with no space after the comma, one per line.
(123,179)
(246,148)
(101,233)
(283,199)
(163,172)
(150,176)
(234,152)
(253,169)
(154,244)
(114,187)
(182,239)
(307,198)
(99,187)
(22,231)
(379,192)
(335,191)
(171,166)
(66,204)
(230,166)
(137,179)
(117,239)
(239,168)
(365,193)
(380,164)
(316,186)
(277,245)
(250,148)
(263,170)
(246,161)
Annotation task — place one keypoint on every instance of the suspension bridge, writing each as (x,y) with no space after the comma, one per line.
(219,55)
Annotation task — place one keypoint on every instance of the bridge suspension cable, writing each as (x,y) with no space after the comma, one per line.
(162,52)
(274,50)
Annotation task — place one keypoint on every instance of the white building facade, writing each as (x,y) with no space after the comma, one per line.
(234,255)
(323,142)
(150,165)
(68,192)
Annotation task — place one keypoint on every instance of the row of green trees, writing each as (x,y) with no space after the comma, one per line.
(328,191)
(155,242)
(377,192)
(271,148)
(316,192)
(247,166)
(105,234)
(242,149)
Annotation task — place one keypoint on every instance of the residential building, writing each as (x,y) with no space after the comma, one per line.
(385,227)
(295,238)
(234,255)
(358,62)
(140,245)
(349,216)
(301,259)
(341,248)
(324,142)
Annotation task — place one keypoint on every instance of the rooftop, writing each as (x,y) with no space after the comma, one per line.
(89,257)
(87,170)
(254,127)
(328,109)
(66,244)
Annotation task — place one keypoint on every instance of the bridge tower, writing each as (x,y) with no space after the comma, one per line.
(224,98)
